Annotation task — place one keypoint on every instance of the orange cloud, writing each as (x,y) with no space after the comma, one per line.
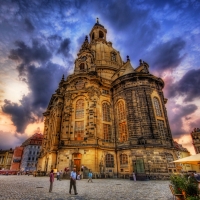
(186,141)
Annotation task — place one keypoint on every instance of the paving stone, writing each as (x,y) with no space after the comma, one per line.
(36,188)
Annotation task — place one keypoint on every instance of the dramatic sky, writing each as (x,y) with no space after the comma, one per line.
(39,41)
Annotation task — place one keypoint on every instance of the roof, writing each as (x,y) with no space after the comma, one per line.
(179,147)
(36,136)
(97,23)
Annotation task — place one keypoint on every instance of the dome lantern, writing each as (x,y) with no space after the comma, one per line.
(98,32)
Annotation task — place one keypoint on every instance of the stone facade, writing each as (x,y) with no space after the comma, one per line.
(196,139)
(108,116)
(6,159)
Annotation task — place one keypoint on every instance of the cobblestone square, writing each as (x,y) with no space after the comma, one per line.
(29,187)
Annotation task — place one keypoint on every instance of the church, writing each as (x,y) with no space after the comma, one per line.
(108,116)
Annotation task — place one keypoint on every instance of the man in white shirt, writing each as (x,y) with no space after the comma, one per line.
(73,181)
(58,175)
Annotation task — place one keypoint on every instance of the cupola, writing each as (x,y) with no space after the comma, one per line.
(98,32)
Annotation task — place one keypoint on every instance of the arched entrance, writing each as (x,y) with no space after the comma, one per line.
(77,161)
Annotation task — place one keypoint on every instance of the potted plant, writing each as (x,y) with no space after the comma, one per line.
(186,186)
(179,183)
(191,190)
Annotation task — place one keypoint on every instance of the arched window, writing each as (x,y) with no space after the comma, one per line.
(113,57)
(161,128)
(92,36)
(79,130)
(122,121)
(101,35)
(157,107)
(123,159)
(106,112)
(82,66)
(107,132)
(123,132)
(121,111)
(109,160)
(79,109)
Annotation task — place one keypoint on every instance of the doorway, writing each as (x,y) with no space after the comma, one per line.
(140,165)
(77,164)
(77,161)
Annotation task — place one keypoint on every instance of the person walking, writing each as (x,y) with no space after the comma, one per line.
(82,170)
(90,176)
(73,181)
(58,175)
(134,176)
(51,180)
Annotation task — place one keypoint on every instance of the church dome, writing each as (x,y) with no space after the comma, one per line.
(97,55)
(104,53)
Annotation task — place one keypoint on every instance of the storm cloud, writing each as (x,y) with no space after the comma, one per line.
(21,115)
(42,77)
(177,114)
(38,52)
(167,55)
(188,86)
(64,47)
(29,25)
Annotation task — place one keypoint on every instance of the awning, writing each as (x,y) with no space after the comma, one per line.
(194,159)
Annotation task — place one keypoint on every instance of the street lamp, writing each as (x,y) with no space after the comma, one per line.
(149,165)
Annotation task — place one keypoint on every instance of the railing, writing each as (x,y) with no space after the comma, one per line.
(109,63)
(89,143)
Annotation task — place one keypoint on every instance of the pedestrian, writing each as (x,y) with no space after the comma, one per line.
(73,181)
(90,176)
(51,180)
(78,176)
(82,169)
(61,173)
(134,176)
(58,175)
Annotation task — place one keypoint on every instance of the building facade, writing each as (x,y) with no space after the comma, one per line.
(6,159)
(196,139)
(182,152)
(32,148)
(17,158)
(107,116)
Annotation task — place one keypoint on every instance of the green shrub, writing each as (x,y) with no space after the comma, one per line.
(179,183)
(193,198)
(191,189)
(189,186)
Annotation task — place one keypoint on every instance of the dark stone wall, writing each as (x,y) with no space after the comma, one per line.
(136,90)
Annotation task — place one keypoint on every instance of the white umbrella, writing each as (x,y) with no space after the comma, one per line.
(194,159)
